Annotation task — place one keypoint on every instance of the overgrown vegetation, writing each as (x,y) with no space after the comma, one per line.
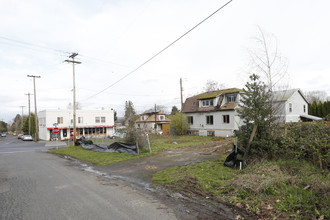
(179,122)
(281,189)
(158,144)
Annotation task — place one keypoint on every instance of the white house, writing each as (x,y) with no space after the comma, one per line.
(96,123)
(151,120)
(214,113)
(291,106)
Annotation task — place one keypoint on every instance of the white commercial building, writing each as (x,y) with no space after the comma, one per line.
(96,123)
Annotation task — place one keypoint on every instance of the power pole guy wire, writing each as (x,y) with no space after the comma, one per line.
(144,63)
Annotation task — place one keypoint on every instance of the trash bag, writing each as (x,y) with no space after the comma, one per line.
(231,160)
(112,148)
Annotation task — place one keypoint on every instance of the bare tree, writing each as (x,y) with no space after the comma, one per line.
(212,85)
(267,61)
(316,95)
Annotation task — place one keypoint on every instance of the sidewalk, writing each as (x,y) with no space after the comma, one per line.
(56,144)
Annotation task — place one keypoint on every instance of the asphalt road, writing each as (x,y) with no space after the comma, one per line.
(38,185)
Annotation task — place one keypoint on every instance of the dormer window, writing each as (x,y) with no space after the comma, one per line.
(142,118)
(161,117)
(231,98)
(208,102)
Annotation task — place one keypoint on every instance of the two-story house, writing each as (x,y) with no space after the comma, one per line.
(214,113)
(153,121)
(96,123)
(291,106)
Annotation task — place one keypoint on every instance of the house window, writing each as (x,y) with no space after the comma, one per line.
(231,98)
(161,117)
(290,107)
(207,103)
(142,118)
(304,108)
(209,119)
(211,133)
(80,120)
(226,119)
(59,120)
(190,120)
(102,119)
(97,119)
(71,121)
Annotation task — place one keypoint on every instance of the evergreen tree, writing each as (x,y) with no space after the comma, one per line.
(25,128)
(257,110)
(174,110)
(130,115)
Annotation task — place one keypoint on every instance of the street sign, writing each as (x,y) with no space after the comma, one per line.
(56,130)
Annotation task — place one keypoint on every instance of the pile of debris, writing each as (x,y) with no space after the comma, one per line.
(114,147)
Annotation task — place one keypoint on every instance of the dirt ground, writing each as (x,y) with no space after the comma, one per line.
(138,173)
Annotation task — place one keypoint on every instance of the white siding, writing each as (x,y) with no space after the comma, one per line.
(219,127)
(49,117)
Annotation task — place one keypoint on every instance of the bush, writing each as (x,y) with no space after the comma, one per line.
(309,141)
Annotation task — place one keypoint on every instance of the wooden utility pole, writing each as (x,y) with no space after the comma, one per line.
(29,112)
(35,105)
(72,56)
(155,119)
(181,94)
(22,117)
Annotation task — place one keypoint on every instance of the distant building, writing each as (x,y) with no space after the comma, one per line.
(96,123)
(291,106)
(151,120)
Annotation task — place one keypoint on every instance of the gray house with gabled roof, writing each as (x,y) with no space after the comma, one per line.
(291,106)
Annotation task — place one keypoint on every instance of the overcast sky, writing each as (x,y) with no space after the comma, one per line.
(113,37)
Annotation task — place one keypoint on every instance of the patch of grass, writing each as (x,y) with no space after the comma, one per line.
(281,189)
(157,144)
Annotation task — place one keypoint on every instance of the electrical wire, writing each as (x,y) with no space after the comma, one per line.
(33,45)
(161,51)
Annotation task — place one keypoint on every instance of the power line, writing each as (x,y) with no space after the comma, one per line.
(33,45)
(151,58)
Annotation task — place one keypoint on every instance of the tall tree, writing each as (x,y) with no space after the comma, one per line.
(16,125)
(266,60)
(3,126)
(130,115)
(179,121)
(316,95)
(212,85)
(174,110)
(25,128)
(256,111)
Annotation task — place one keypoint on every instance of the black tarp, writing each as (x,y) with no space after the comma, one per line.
(114,147)
(231,160)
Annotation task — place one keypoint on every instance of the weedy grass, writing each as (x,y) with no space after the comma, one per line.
(281,189)
(157,144)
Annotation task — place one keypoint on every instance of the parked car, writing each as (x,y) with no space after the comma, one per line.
(20,136)
(27,138)
(3,135)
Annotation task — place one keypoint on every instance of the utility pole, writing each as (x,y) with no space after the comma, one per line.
(29,112)
(35,105)
(155,119)
(22,106)
(181,94)
(72,56)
